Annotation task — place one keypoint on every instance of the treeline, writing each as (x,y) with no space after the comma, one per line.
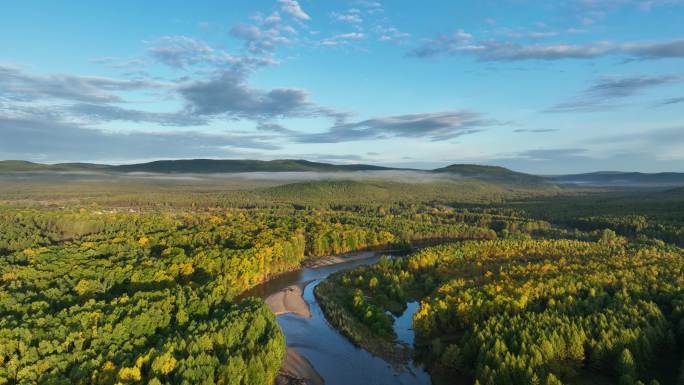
(327,230)
(633,226)
(531,311)
(641,216)
(238,192)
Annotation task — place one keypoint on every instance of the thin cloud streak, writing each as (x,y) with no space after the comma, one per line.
(460,43)
(605,91)
(16,84)
(97,113)
(670,101)
(435,126)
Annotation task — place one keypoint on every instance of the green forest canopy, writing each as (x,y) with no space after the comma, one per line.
(137,282)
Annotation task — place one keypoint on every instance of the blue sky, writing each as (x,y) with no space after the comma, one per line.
(544,87)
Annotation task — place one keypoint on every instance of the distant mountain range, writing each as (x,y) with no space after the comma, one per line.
(481,172)
(209,166)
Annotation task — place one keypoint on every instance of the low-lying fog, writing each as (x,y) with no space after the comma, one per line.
(279,177)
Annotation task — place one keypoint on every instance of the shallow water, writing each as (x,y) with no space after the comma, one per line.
(333,356)
(403,325)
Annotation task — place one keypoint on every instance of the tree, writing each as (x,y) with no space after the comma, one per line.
(551,379)
(626,365)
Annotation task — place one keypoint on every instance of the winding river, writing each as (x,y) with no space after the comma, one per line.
(331,354)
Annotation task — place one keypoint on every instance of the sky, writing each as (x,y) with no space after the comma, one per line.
(547,87)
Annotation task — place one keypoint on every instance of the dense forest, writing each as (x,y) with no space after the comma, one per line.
(598,300)
(95,293)
(140,282)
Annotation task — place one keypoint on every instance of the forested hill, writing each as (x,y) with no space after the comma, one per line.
(231,165)
(192,166)
(24,166)
(676,191)
(493,173)
(623,178)
(379,191)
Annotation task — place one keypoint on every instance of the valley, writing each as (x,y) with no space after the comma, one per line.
(222,281)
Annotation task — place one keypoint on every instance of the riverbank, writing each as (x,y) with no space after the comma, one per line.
(310,263)
(297,370)
(358,333)
(333,356)
(290,300)
(337,258)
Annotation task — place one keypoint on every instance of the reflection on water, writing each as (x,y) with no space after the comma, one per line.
(403,325)
(336,359)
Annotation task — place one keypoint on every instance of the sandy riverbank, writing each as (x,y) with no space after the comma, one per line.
(339,258)
(297,370)
(289,300)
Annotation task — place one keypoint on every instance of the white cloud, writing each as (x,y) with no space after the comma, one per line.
(292,8)
(182,51)
(391,34)
(352,16)
(343,38)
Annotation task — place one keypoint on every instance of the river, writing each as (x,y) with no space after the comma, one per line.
(333,356)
